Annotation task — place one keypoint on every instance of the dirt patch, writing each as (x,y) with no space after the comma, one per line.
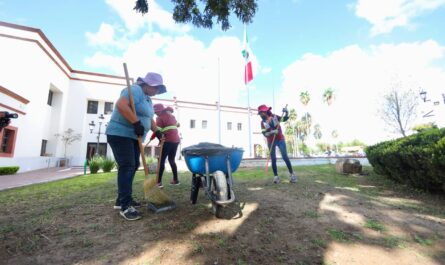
(311,222)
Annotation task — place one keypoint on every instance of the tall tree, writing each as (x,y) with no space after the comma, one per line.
(291,131)
(305,98)
(398,110)
(317,132)
(306,123)
(328,96)
(334,135)
(68,137)
(203,14)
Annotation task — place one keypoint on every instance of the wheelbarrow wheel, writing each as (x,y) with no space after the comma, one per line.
(217,210)
(220,191)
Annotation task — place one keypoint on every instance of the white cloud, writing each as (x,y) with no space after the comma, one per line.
(385,15)
(189,67)
(156,16)
(105,36)
(360,77)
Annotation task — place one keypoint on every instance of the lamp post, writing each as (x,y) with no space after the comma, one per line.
(92,125)
(423,95)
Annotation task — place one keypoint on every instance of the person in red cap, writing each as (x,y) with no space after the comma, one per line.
(168,125)
(271,129)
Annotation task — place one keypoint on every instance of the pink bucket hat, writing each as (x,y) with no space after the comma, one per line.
(158,107)
(154,80)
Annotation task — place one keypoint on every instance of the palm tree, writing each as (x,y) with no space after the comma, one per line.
(305,98)
(307,123)
(290,131)
(334,135)
(317,132)
(328,96)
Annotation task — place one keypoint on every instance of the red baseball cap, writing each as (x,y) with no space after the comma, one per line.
(263,108)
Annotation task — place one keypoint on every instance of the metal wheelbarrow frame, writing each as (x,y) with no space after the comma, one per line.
(218,184)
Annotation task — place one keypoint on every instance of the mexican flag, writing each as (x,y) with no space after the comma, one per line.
(248,74)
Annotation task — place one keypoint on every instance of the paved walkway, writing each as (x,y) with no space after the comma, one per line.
(37,176)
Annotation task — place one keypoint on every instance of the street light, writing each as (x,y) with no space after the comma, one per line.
(423,95)
(92,125)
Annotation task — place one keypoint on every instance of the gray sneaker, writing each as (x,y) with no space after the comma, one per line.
(293,178)
(130,214)
(276,179)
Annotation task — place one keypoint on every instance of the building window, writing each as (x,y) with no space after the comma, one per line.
(108,108)
(204,124)
(229,126)
(7,142)
(50,98)
(240,126)
(192,124)
(43,148)
(92,107)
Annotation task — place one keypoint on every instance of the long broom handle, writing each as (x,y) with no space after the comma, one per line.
(159,159)
(273,141)
(130,95)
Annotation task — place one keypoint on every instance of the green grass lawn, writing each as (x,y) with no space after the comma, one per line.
(73,218)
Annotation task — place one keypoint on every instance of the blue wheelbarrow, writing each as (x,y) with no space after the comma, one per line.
(212,166)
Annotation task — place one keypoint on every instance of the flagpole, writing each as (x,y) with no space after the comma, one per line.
(250,130)
(219,103)
(248,93)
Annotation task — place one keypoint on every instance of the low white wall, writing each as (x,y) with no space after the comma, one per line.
(300,161)
(30,163)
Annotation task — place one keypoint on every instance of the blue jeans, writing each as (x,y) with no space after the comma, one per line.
(126,153)
(281,144)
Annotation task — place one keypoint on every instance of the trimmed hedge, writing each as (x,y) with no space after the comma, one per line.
(417,160)
(8,170)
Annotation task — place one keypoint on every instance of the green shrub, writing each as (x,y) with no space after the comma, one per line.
(95,164)
(107,164)
(8,170)
(150,159)
(417,160)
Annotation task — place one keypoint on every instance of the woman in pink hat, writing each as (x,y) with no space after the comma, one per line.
(168,125)
(271,129)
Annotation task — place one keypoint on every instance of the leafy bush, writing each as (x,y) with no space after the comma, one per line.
(418,160)
(8,170)
(150,160)
(95,164)
(107,164)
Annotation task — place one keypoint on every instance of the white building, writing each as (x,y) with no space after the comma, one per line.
(50,97)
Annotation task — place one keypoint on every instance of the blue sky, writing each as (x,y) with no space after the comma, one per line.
(297,44)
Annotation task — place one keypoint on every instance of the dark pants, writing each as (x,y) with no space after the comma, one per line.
(126,153)
(281,144)
(169,150)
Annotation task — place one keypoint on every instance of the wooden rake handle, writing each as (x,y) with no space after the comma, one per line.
(130,96)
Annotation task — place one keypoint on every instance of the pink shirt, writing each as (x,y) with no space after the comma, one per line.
(166,120)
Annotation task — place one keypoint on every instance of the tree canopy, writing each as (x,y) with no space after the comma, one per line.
(203,15)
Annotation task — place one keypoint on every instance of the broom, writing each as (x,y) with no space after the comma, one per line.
(271,146)
(161,145)
(152,193)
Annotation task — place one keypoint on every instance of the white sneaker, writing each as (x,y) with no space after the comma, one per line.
(276,179)
(293,178)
